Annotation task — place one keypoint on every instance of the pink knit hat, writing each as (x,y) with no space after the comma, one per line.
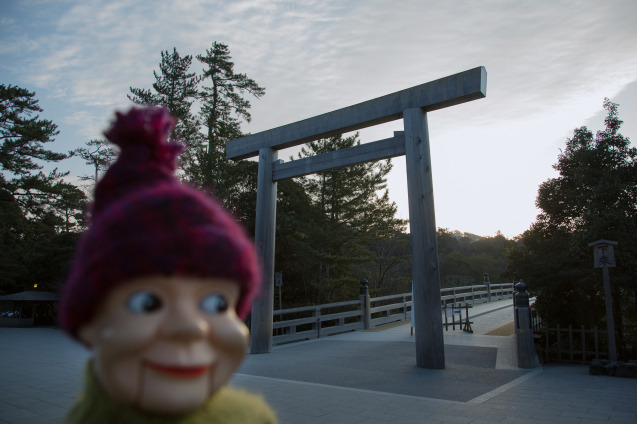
(145,222)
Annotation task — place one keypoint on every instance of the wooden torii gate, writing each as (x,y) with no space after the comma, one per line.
(412,105)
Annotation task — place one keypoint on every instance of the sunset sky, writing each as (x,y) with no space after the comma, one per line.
(549,64)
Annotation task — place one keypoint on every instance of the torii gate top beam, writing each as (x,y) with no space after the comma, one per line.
(444,92)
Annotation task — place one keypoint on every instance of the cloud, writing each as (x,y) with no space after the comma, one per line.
(538,56)
(89,124)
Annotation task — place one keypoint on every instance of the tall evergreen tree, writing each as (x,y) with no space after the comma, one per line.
(35,208)
(175,89)
(223,108)
(348,216)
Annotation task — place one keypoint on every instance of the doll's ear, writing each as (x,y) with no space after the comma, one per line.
(88,333)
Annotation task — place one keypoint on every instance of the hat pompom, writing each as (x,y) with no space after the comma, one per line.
(146,157)
(150,127)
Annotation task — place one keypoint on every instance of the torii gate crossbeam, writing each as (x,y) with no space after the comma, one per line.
(412,105)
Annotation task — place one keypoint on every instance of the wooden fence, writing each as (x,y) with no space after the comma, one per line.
(311,322)
(572,345)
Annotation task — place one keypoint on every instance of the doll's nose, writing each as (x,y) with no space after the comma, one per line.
(186,327)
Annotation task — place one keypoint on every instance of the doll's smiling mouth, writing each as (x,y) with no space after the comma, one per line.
(178,371)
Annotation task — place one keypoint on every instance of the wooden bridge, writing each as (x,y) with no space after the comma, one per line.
(334,318)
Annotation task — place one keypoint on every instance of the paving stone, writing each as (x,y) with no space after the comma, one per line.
(411,413)
(309,411)
(55,412)
(520,420)
(626,408)
(16,414)
(586,415)
(613,413)
(415,420)
(381,416)
(555,418)
(483,421)
(6,407)
(616,419)
(38,407)
(18,401)
(36,420)
(456,419)
(337,417)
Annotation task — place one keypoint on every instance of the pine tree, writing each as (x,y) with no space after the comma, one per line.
(222,111)
(35,208)
(175,89)
(347,217)
(98,153)
(203,163)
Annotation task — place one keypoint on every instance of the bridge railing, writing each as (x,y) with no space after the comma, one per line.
(333,318)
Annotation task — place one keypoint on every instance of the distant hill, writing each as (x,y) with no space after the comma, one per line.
(473,237)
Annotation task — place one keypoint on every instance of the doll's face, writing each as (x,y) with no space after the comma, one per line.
(166,344)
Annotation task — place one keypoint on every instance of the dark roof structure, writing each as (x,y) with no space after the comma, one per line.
(32,296)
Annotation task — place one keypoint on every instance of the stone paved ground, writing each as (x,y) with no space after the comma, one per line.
(558,394)
(40,371)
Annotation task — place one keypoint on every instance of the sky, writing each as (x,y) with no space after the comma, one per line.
(550,64)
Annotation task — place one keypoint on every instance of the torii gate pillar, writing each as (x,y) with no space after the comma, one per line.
(264,237)
(430,348)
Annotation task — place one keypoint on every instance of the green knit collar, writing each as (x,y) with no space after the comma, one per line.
(95,406)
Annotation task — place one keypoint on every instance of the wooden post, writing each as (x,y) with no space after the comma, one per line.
(317,324)
(430,348)
(612,350)
(488,284)
(524,326)
(596,344)
(366,305)
(559,344)
(604,256)
(405,307)
(265,227)
(583,344)
(546,344)
(570,342)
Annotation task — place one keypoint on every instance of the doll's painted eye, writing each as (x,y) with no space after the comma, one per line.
(144,302)
(214,304)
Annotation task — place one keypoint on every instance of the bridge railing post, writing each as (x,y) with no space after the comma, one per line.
(488,284)
(365,305)
(524,328)
(317,324)
(405,307)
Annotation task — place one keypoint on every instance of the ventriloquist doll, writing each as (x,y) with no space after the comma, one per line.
(159,285)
